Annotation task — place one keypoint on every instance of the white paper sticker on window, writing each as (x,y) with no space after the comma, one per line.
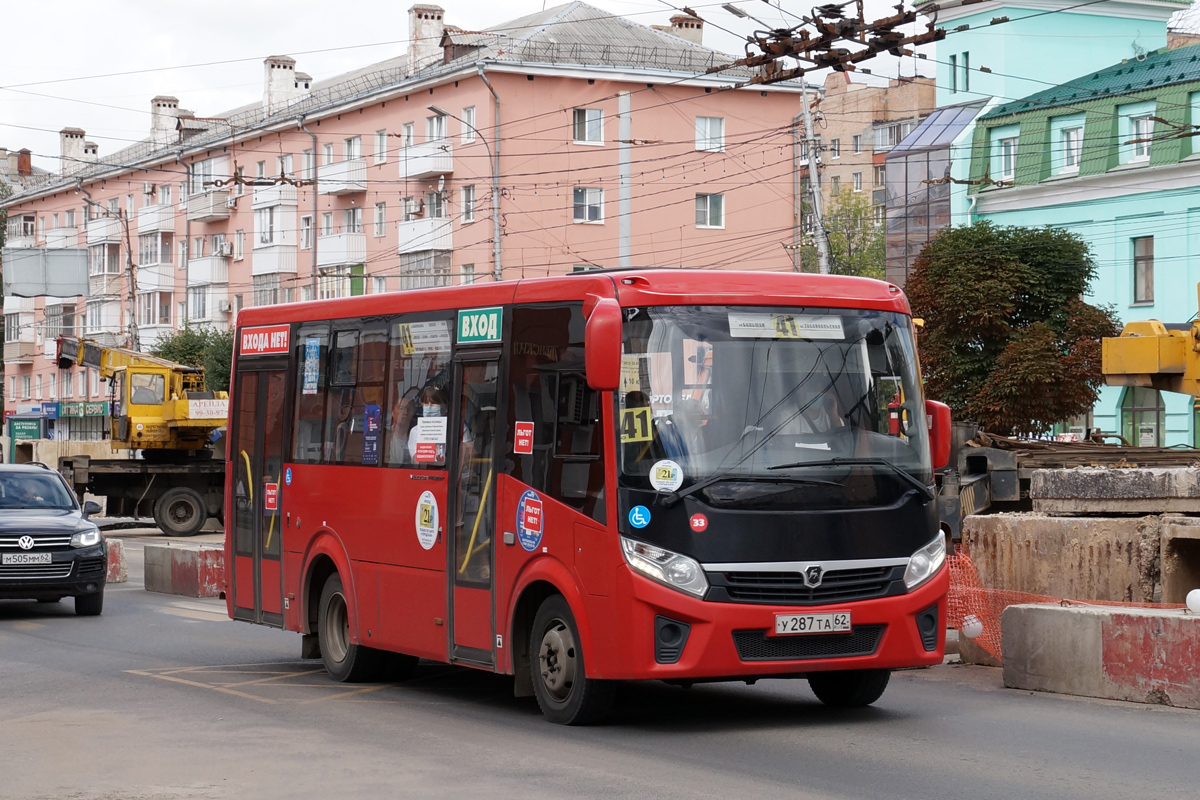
(431,429)
(751,325)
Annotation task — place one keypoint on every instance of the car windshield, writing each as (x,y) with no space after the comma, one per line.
(33,490)
(755,402)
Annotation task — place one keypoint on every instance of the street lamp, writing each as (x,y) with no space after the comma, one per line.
(495,162)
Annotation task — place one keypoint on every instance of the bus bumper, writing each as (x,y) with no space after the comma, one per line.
(734,640)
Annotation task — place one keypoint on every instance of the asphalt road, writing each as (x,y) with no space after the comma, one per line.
(162,697)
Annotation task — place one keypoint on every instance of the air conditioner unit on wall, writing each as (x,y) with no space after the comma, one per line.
(231,202)
(225,249)
(225,306)
(147,188)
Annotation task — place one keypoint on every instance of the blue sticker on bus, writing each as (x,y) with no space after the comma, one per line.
(639,516)
(287,476)
(530,522)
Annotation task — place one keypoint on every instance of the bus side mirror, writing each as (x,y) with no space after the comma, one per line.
(602,345)
(938,415)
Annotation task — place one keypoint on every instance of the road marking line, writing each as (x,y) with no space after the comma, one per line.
(234,692)
(202,616)
(347,694)
(276,678)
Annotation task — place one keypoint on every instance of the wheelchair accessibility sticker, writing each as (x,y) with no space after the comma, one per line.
(639,516)
(530,521)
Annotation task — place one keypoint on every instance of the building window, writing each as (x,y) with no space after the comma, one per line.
(260,170)
(284,164)
(1143,417)
(24,387)
(378,284)
(435,128)
(264,225)
(352,148)
(879,213)
(326,154)
(1140,130)
(198,302)
(1072,145)
(966,72)
(381,219)
(326,225)
(1143,269)
(468,128)
(154,308)
(306,232)
(468,203)
(12,327)
(380,147)
(589,204)
(588,126)
(52,385)
(468,273)
(1008,158)
(953,74)
(435,205)
(710,211)
(37,387)
(880,175)
(352,220)
(407,135)
(710,134)
(308,165)
(835,185)
(835,148)
(239,245)
(857,143)
(424,269)
(856,181)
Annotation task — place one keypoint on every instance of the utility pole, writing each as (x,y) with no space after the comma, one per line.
(814,170)
(130,267)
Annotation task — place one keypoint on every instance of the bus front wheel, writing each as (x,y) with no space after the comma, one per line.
(564,692)
(345,661)
(852,688)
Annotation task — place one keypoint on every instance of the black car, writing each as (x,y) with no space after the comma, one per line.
(48,548)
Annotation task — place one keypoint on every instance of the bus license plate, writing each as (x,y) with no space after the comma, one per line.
(794,624)
(26,558)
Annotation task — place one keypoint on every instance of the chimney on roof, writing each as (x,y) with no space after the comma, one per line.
(24,162)
(282,84)
(685,26)
(1177,39)
(163,111)
(425,27)
(70,147)
(91,152)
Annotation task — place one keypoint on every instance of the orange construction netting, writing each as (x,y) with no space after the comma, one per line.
(970,598)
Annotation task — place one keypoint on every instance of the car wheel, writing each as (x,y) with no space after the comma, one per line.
(853,688)
(180,512)
(566,695)
(89,605)
(345,661)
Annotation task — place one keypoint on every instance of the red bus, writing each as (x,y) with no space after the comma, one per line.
(617,475)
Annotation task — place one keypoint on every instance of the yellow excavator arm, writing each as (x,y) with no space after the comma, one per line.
(1154,355)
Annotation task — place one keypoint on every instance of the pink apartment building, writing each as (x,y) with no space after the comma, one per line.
(567,140)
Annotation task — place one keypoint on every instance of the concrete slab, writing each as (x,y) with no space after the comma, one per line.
(1119,653)
(117,570)
(1180,558)
(190,570)
(1088,490)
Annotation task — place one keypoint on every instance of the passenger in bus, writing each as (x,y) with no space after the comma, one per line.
(400,423)
(433,404)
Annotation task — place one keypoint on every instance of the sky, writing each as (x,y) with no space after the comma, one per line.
(51,61)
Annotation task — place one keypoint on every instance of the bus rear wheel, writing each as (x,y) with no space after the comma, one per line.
(852,688)
(345,661)
(566,695)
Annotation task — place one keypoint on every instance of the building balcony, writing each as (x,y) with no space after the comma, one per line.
(106,285)
(340,249)
(282,194)
(105,338)
(343,177)
(156,219)
(19,352)
(273,258)
(208,206)
(103,229)
(426,159)
(155,278)
(205,271)
(425,234)
(62,238)
(149,335)
(21,241)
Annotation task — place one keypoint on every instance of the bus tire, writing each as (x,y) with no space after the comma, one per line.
(852,688)
(344,661)
(180,512)
(564,692)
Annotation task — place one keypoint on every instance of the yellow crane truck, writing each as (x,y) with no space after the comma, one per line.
(164,412)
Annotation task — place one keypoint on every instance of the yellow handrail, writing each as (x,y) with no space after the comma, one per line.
(475,528)
(249,477)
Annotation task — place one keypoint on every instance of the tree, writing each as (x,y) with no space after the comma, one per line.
(856,241)
(1007,340)
(200,347)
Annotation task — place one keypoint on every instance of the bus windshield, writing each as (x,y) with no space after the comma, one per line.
(747,403)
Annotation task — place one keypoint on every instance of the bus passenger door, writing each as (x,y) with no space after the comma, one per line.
(471,524)
(257,441)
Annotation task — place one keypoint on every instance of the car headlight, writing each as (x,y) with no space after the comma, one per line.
(668,568)
(925,563)
(86,536)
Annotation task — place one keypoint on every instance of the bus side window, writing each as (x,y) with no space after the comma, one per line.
(548,388)
(312,346)
(339,404)
(358,438)
(418,364)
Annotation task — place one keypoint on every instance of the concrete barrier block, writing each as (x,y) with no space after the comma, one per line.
(1142,655)
(117,571)
(1180,558)
(1145,490)
(1079,558)
(190,570)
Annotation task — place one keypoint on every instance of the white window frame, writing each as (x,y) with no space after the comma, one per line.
(856,181)
(468,128)
(380,219)
(857,143)
(239,245)
(468,274)
(835,148)
(1008,157)
(408,134)
(435,128)
(1072,145)
(590,123)
(467,197)
(308,164)
(378,284)
(381,146)
(708,204)
(352,148)
(352,220)
(264,226)
(589,199)
(306,232)
(1141,127)
(710,134)
(327,153)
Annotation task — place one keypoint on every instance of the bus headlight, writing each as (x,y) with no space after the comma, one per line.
(668,568)
(86,536)
(925,563)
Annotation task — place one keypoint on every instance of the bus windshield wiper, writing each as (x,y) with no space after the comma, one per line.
(677,495)
(850,462)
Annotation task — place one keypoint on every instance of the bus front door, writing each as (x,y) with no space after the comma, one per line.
(257,485)
(473,509)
